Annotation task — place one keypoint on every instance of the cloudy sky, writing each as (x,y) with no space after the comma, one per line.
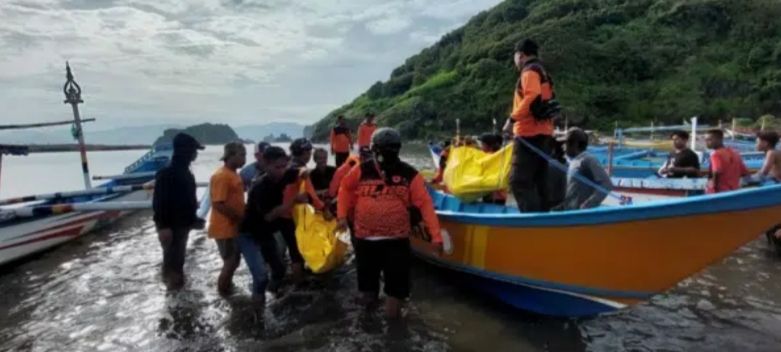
(187,61)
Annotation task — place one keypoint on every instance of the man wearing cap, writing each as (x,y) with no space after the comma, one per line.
(254,171)
(174,204)
(582,164)
(226,191)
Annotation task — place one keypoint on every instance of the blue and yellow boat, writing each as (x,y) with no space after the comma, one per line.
(586,262)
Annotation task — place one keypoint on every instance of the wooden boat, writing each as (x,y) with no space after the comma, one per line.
(586,262)
(22,236)
(36,223)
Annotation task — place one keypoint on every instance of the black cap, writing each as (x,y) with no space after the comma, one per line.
(186,143)
(300,145)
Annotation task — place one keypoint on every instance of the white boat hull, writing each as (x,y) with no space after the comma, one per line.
(29,237)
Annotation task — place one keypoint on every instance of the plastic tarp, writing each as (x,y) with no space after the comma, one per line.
(471,173)
(322,248)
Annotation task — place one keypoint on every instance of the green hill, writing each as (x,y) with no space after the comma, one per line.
(625,61)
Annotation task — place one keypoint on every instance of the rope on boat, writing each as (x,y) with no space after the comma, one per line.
(623,200)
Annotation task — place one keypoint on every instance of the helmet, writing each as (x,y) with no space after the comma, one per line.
(300,146)
(386,138)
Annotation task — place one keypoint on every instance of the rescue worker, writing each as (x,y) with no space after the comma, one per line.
(380,194)
(174,204)
(341,141)
(365,131)
(531,122)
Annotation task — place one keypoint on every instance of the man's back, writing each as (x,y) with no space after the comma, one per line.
(579,194)
(726,168)
(174,202)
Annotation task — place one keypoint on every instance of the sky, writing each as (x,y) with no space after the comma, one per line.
(142,62)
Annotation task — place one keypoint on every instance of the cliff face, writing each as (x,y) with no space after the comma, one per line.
(625,61)
(205,133)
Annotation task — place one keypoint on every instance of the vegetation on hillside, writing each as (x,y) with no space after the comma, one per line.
(613,61)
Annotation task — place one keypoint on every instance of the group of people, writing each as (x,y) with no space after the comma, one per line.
(374,193)
(371,193)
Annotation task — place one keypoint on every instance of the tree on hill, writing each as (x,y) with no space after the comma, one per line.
(625,61)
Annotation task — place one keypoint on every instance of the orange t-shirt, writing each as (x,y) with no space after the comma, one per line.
(225,186)
(529,89)
(365,131)
(729,166)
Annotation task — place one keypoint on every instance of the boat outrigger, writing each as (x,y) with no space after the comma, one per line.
(36,223)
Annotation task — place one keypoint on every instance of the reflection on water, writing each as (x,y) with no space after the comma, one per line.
(102,292)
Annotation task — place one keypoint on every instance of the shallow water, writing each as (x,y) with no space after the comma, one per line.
(102,292)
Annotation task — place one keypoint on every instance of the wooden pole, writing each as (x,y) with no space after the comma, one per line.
(43,124)
(610,158)
(73,97)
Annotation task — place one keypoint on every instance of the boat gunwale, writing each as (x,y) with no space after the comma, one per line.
(735,201)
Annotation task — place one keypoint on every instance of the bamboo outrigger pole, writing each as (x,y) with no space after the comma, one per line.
(73,96)
(42,124)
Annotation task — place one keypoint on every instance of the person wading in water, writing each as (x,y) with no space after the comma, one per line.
(174,204)
(380,195)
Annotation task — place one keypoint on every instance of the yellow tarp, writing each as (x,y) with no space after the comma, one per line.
(471,173)
(322,249)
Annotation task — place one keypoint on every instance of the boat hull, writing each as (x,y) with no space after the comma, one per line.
(40,234)
(594,261)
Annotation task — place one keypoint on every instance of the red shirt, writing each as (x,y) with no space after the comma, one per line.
(728,165)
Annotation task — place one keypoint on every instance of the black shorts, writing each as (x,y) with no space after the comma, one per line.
(389,257)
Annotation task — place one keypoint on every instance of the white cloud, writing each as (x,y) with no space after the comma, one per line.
(389,25)
(196,59)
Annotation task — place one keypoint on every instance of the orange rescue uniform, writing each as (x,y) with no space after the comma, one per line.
(380,204)
(225,186)
(341,139)
(365,131)
(529,87)
(341,172)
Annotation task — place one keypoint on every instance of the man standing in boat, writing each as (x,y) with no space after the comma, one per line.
(365,131)
(381,195)
(227,197)
(682,162)
(726,165)
(583,165)
(341,141)
(531,122)
(174,204)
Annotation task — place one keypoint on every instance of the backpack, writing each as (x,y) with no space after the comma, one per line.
(542,110)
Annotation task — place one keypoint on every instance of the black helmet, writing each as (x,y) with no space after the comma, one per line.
(386,138)
(300,146)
